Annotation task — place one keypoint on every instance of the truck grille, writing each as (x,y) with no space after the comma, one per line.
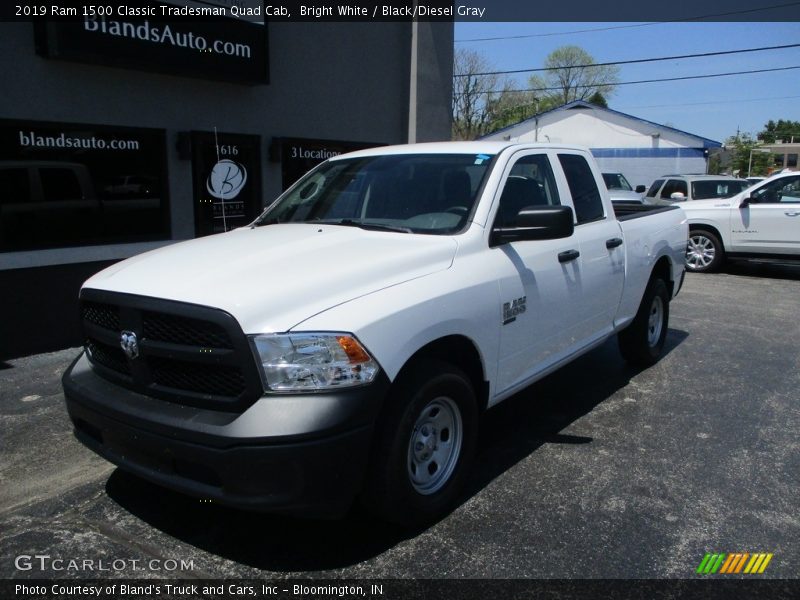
(190,354)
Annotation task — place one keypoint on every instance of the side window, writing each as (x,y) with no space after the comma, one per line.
(782,190)
(585,195)
(651,193)
(530,183)
(673,186)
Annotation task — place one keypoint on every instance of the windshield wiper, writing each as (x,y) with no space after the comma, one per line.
(370,226)
(262,222)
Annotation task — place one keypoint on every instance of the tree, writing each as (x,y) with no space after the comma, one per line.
(740,148)
(574,76)
(472,94)
(782,130)
(510,107)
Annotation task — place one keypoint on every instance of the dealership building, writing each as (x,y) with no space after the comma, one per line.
(639,149)
(120,134)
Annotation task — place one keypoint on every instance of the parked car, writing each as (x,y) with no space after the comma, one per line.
(682,188)
(346,343)
(621,191)
(762,222)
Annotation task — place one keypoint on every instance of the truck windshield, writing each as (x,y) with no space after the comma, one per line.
(418,193)
(616,181)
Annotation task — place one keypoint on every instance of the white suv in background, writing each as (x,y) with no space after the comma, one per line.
(680,188)
(762,222)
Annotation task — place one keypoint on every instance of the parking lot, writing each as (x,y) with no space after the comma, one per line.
(598,471)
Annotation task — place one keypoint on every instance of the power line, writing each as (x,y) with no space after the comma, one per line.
(708,76)
(535,35)
(630,62)
(714,102)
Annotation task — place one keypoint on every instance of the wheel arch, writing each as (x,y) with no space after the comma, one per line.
(664,269)
(709,228)
(461,352)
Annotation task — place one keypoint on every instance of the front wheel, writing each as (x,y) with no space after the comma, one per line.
(704,252)
(424,444)
(642,342)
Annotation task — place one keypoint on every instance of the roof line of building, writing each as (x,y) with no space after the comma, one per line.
(707,143)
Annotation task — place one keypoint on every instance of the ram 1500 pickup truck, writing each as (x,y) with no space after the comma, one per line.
(761,222)
(345,344)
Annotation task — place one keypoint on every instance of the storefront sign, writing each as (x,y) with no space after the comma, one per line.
(69,184)
(298,156)
(196,41)
(227,180)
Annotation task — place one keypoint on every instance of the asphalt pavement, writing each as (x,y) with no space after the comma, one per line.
(597,471)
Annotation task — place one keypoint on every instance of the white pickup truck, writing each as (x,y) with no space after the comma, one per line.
(761,222)
(346,343)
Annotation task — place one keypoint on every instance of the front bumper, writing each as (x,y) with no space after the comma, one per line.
(301,454)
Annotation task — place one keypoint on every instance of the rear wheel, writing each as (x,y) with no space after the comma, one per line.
(704,252)
(642,342)
(424,444)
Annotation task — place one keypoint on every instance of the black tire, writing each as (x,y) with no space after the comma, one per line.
(392,491)
(642,342)
(704,252)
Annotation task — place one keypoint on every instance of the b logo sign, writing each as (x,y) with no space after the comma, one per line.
(226,180)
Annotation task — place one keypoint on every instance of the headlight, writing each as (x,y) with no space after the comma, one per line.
(313,361)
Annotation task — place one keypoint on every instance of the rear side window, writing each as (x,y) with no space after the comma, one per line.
(585,195)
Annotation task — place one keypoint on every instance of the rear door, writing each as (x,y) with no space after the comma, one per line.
(771,222)
(600,270)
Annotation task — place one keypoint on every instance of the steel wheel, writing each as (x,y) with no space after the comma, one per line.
(434,446)
(424,444)
(642,342)
(655,321)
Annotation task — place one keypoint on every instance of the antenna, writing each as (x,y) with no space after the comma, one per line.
(222,198)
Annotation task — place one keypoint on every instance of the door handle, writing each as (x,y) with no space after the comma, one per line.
(613,243)
(792,214)
(568,256)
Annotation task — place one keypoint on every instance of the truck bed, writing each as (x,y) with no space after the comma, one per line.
(634,211)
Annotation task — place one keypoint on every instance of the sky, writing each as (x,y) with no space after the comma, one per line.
(713,108)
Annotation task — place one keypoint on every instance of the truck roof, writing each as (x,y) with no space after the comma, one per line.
(490,148)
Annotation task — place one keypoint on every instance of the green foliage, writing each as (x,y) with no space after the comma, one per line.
(740,148)
(780,130)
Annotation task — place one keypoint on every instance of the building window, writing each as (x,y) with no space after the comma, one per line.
(65,184)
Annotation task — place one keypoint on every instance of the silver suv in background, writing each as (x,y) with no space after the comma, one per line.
(620,191)
(680,188)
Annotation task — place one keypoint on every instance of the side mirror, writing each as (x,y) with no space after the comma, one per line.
(748,199)
(640,189)
(677,196)
(537,223)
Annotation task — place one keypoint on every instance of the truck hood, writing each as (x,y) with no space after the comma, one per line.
(273,277)
(625,196)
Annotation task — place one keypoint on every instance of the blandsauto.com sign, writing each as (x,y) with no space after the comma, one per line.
(204,46)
